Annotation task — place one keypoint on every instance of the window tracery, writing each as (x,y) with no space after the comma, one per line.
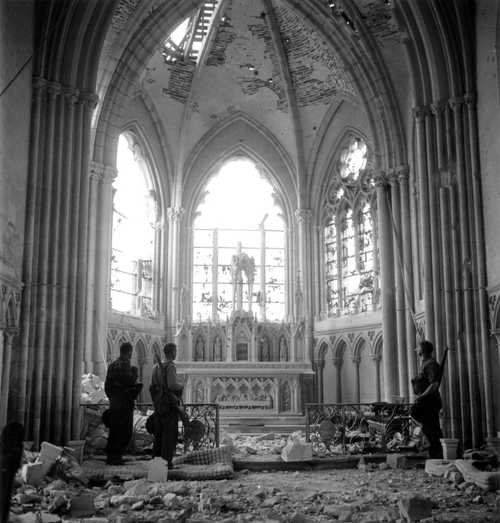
(238,219)
(350,234)
(134,224)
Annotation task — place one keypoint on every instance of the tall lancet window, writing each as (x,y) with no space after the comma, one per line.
(350,235)
(133,243)
(238,247)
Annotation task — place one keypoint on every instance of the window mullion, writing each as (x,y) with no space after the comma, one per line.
(215,273)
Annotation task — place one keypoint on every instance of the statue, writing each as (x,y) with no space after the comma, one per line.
(264,349)
(283,349)
(199,350)
(242,263)
(217,349)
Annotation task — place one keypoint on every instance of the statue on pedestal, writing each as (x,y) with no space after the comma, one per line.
(264,349)
(283,353)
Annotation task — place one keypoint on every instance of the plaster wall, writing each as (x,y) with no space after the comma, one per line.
(16,46)
(488,87)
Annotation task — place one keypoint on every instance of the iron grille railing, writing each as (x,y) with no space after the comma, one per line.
(206,413)
(357,428)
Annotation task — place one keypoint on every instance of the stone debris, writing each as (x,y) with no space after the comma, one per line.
(296,449)
(484,479)
(365,495)
(92,390)
(415,508)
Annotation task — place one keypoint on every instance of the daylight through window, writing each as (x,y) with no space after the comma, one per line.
(238,217)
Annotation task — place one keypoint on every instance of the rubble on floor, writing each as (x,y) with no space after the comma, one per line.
(340,495)
(92,390)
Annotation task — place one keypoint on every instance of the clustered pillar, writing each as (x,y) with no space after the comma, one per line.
(53,329)
(452,261)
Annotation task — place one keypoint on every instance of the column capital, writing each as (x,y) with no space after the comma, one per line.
(470,100)
(303,215)
(356,360)
(39,86)
(456,103)
(174,214)
(438,108)
(54,89)
(102,173)
(376,357)
(71,94)
(337,361)
(420,112)
(89,99)
(380,178)
(402,172)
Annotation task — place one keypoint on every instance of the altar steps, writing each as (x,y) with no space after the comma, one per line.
(262,424)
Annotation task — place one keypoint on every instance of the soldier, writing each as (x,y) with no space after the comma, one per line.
(166,393)
(428,403)
(122,389)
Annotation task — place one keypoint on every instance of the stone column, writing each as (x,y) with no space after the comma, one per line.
(376,361)
(337,363)
(466,263)
(101,201)
(397,226)
(432,174)
(2,353)
(304,250)
(482,297)
(357,385)
(406,256)
(174,216)
(389,358)
(9,334)
(419,114)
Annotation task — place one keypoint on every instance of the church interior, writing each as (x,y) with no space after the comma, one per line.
(296,193)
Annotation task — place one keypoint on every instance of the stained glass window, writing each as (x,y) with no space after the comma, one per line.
(238,217)
(134,218)
(350,236)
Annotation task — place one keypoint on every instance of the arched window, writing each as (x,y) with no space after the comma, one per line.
(350,235)
(238,247)
(134,222)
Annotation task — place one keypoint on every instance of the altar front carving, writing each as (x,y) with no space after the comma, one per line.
(245,365)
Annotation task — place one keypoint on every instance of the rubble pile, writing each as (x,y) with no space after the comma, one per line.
(92,390)
(244,445)
(339,495)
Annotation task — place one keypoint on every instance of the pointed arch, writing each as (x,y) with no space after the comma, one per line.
(239,135)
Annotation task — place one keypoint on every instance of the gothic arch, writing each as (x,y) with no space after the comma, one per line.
(240,135)
(325,179)
(158,182)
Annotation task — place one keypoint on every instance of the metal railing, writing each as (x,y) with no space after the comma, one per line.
(360,428)
(206,413)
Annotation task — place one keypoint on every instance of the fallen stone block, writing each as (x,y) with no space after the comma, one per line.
(398,461)
(170,500)
(296,450)
(46,517)
(49,453)
(157,470)
(415,508)
(484,480)
(28,517)
(439,467)
(82,506)
(33,473)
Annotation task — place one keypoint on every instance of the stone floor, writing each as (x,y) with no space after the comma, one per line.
(336,495)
